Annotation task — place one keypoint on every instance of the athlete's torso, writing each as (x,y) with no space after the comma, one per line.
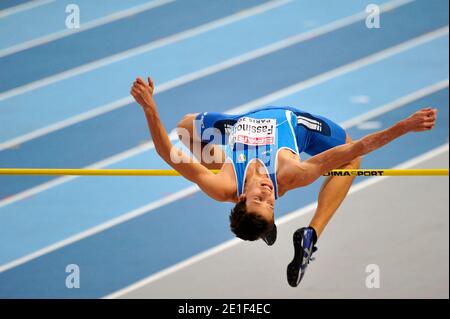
(266,136)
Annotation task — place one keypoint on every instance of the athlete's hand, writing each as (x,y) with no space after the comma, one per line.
(143,92)
(423,120)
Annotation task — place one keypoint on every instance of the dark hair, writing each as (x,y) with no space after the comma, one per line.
(247,225)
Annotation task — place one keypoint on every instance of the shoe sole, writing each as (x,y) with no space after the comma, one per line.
(293,269)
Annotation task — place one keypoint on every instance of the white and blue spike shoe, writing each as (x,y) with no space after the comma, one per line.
(304,247)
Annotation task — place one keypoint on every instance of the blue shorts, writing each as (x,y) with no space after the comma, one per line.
(314,134)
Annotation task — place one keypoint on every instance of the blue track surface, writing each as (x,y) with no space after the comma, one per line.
(28,26)
(5,4)
(112,38)
(174,61)
(130,251)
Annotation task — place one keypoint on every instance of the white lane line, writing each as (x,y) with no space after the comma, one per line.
(222,66)
(422,158)
(62,180)
(101,227)
(346,69)
(184,264)
(397,103)
(23,7)
(83,27)
(283,220)
(141,49)
(66,123)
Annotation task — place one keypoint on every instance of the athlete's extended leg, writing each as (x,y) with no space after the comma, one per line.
(211,156)
(332,193)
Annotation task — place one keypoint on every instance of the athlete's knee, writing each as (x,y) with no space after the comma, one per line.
(186,126)
(187,121)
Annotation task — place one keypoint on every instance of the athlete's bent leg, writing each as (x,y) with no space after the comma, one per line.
(332,193)
(198,148)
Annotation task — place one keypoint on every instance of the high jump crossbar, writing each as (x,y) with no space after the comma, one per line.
(170,172)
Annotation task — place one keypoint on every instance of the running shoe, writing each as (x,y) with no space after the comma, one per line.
(304,247)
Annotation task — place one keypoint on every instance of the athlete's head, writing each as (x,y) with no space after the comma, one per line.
(253,216)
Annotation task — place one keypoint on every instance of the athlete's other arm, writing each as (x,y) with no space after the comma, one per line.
(308,171)
(195,172)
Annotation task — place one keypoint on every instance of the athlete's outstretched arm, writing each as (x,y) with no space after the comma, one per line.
(195,172)
(311,169)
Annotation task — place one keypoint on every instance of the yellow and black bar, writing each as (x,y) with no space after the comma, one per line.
(170,172)
(389,172)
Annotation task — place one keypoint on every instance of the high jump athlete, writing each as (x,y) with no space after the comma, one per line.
(258,155)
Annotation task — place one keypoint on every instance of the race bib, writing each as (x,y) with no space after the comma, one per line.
(252,131)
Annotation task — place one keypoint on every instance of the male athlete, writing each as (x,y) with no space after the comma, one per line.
(261,163)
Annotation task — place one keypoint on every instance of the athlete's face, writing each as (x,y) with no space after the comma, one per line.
(260,197)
